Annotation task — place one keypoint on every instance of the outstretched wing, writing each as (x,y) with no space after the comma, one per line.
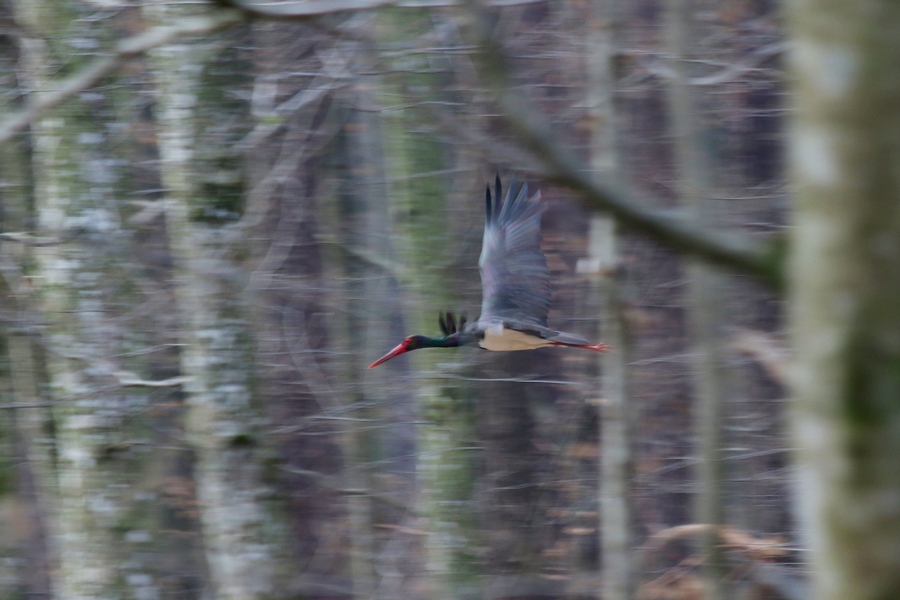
(515,279)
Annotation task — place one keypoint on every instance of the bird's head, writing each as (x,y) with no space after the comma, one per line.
(415,342)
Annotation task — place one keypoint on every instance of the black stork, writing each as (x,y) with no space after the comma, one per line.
(515,282)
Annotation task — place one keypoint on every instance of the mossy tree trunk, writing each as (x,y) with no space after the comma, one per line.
(420,193)
(380,459)
(845,292)
(198,125)
(346,211)
(93,478)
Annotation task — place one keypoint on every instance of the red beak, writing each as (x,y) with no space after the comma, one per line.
(400,349)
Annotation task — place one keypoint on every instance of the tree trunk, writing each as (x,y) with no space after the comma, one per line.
(423,219)
(705,306)
(341,210)
(96,490)
(616,454)
(386,556)
(24,426)
(845,293)
(99,463)
(244,536)
(294,155)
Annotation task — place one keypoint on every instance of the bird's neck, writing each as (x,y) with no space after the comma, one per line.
(450,341)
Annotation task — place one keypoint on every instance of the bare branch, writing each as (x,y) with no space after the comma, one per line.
(767,350)
(759,551)
(727,72)
(28,239)
(302,10)
(21,405)
(59,91)
(756,548)
(129,379)
(316,8)
(726,248)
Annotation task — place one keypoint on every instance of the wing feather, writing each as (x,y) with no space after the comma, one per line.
(515,277)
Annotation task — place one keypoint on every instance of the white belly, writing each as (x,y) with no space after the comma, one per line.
(506,340)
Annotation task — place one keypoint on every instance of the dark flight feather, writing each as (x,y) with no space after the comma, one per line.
(515,277)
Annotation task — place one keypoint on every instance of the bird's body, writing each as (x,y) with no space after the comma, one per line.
(515,283)
(502,339)
(507,336)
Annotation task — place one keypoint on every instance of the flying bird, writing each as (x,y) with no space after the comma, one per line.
(515,281)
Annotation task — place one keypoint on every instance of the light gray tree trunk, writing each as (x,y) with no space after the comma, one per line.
(845,292)
(92,488)
(243,533)
(616,454)
(705,295)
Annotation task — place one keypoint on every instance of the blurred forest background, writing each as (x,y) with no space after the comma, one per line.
(215,215)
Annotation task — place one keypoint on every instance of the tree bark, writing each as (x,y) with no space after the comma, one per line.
(616,454)
(423,219)
(387,556)
(694,184)
(845,293)
(92,479)
(244,535)
(24,426)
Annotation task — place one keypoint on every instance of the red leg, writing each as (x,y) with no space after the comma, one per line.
(601,347)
